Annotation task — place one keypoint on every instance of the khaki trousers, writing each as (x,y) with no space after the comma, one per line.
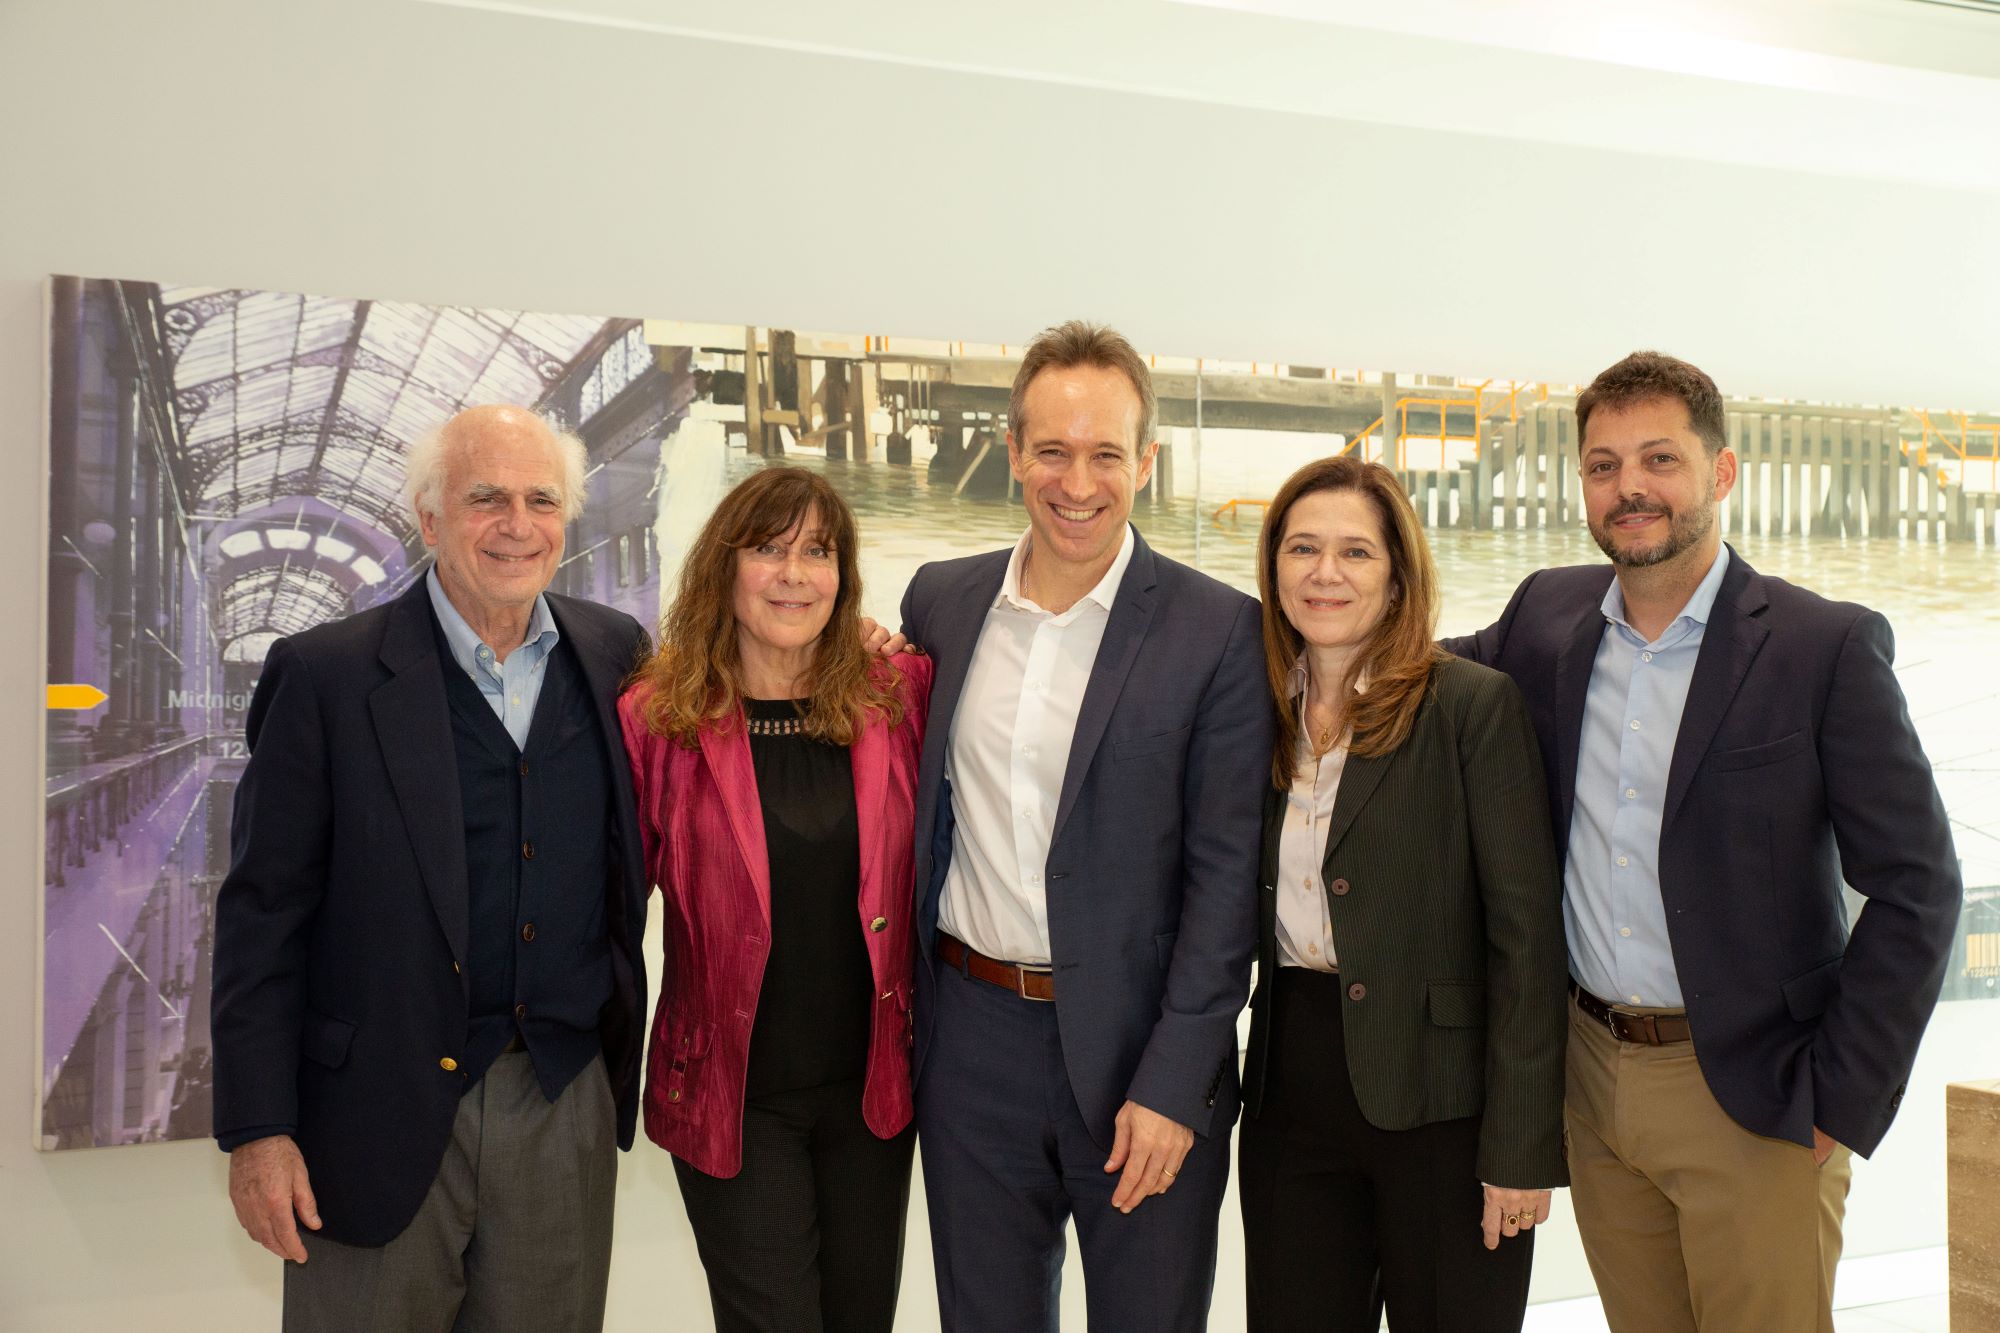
(1691,1223)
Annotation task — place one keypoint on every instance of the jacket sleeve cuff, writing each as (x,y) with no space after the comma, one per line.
(236,1138)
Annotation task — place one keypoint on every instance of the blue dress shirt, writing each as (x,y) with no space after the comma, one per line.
(513,686)
(1612,910)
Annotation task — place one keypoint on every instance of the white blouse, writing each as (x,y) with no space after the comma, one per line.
(1305,926)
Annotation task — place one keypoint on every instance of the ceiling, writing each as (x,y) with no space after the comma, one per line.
(1896,90)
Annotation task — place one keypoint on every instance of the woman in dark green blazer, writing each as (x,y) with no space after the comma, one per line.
(1403,1098)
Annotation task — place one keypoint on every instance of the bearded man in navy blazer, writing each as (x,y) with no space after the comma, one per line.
(1723,750)
(1087,852)
(428,985)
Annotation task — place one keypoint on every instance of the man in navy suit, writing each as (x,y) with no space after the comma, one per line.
(428,983)
(1087,845)
(1723,750)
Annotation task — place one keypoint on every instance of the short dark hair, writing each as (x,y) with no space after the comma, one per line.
(1080,343)
(1645,375)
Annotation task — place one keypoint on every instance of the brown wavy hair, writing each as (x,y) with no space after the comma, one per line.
(696,674)
(1402,648)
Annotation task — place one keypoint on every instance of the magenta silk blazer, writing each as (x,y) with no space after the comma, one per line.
(703,830)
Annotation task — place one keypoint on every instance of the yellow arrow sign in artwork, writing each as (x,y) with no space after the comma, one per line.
(75,697)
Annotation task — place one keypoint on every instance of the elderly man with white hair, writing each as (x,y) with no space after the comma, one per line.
(428,986)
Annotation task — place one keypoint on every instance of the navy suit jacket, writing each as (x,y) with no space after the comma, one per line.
(342,923)
(1152,870)
(1796,767)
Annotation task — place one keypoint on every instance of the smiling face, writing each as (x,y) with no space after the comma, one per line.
(1650,486)
(786,587)
(1079,462)
(498,526)
(1333,568)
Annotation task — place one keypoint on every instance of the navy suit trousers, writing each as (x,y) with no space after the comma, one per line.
(1008,1160)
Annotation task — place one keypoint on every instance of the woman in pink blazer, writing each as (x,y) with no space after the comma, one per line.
(775,761)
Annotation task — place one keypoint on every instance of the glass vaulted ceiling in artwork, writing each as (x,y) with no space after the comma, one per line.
(282,395)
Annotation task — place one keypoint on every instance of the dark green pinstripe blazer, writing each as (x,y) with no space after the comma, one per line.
(1450,932)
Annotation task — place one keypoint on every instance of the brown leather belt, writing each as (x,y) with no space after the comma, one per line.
(1643,1029)
(1027,981)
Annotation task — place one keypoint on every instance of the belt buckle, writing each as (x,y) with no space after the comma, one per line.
(1021,971)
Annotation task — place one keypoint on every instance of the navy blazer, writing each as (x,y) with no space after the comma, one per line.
(1152,869)
(1796,766)
(340,928)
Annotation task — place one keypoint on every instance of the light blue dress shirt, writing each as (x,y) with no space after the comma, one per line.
(1612,909)
(512,686)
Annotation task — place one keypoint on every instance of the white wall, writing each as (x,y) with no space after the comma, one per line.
(387,149)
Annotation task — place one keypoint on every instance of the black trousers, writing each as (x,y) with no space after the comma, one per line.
(808,1237)
(1340,1218)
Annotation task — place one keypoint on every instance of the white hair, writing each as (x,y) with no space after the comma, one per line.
(428,460)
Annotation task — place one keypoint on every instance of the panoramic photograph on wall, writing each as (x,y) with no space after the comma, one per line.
(225,468)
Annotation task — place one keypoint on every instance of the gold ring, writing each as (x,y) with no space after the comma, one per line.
(1513,1219)
(1168,1174)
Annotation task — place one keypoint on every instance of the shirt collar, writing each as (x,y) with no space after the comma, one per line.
(1104,594)
(1301,676)
(467,649)
(1699,607)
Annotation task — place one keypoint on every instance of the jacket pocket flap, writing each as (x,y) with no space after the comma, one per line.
(1139,746)
(325,1040)
(1809,993)
(1756,756)
(1457,1004)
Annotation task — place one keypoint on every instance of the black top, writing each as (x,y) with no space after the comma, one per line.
(813,1011)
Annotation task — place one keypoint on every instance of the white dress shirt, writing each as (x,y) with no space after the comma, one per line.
(1305,925)
(1006,757)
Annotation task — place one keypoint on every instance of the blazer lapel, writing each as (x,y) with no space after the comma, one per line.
(1734,635)
(1131,615)
(413,726)
(1358,780)
(605,675)
(870,757)
(953,628)
(1575,660)
(728,758)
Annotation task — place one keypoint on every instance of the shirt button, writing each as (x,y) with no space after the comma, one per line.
(1625,931)
(1621,860)
(528,851)
(1635,724)
(1647,656)
(1034,877)
(1313,949)
(516,701)
(1631,793)
(524,768)
(528,933)
(1634,1000)
(1028,750)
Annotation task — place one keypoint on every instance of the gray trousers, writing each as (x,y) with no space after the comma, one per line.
(513,1237)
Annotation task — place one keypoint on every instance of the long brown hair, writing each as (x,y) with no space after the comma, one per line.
(1401,649)
(696,674)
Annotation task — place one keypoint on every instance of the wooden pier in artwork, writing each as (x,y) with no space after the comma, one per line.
(1807,472)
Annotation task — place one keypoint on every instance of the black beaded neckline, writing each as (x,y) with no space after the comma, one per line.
(775,717)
